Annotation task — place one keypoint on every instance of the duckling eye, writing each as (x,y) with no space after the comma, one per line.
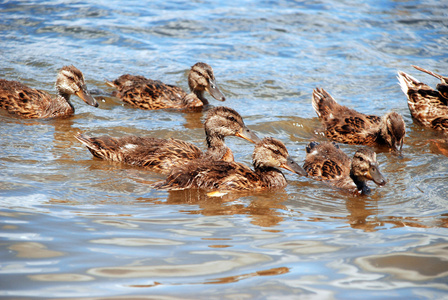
(361,158)
(276,151)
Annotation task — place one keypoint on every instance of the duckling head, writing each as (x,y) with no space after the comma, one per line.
(393,130)
(200,79)
(443,89)
(364,167)
(271,153)
(222,121)
(70,81)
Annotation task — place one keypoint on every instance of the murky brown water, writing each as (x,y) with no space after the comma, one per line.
(77,227)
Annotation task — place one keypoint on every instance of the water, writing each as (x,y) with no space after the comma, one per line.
(76,227)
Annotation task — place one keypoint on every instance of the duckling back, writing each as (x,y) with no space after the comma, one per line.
(326,161)
(158,155)
(428,107)
(22,101)
(148,94)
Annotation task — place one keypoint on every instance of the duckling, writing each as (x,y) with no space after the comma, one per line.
(329,163)
(348,126)
(428,107)
(269,155)
(25,102)
(153,94)
(162,155)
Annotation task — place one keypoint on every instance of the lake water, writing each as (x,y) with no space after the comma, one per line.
(72,226)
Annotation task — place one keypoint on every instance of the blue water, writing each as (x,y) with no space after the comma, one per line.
(72,226)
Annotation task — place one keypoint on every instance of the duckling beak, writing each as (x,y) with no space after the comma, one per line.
(213,90)
(399,147)
(294,167)
(84,94)
(376,176)
(248,135)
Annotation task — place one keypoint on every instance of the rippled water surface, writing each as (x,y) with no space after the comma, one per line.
(77,227)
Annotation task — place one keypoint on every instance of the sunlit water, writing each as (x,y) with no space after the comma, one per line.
(74,226)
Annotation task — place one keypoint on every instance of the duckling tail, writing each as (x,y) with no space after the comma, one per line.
(323,103)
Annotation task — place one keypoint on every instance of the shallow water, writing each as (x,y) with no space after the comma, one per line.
(77,227)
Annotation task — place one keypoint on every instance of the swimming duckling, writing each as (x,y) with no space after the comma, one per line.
(327,162)
(348,126)
(269,155)
(428,107)
(162,155)
(25,102)
(153,94)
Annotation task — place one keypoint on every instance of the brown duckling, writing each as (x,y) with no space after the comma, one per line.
(327,162)
(348,126)
(153,94)
(25,102)
(269,155)
(428,107)
(162,155)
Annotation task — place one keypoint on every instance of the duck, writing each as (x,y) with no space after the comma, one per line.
(25,102)
(151,94)
(428,107)
(327,162)
(162,155)
(348,126)
(269,155)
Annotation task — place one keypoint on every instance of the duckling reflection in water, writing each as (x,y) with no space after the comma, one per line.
(162,155)
(269,155)
(428,107)
(328,163)
(25,102)
(151,94)
(346,125)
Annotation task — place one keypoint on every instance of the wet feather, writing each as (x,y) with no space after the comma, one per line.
(25,102)
(151,94)
(346,125)
(428,107)
(269,155)
(326,162)
(162,155)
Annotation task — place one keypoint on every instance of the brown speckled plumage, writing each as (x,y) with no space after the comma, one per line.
(428,107)
(25,102)
(269,155)
(348,126)
(153,94)
(327,162)
(162,155)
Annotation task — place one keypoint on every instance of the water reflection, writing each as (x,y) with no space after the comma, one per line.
(33,250)
(231,260)
(231,279)
(264,209)
(410,266)
(61,277)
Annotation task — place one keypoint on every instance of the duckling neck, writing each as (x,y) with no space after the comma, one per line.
(216,148)
(200,95)
(271,177)
(66,96)
(361,185)
(60,106)
(381,135)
